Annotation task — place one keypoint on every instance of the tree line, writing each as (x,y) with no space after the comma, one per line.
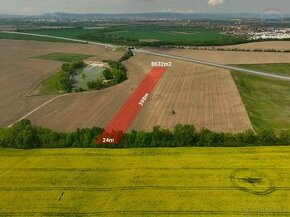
(65,75)
(115,74)
(25,136)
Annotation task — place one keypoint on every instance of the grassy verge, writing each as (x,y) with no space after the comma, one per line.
(64,57)
(50,85)
(267,100)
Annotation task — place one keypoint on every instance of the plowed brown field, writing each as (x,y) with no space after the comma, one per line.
(90,109)
(277,45)
(230,57)
(205,97)
(20,74)
(191,94)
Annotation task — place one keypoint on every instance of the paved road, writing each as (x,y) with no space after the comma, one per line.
(217,65)
(196,61)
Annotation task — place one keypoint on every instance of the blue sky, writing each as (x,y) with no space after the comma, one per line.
(125,6)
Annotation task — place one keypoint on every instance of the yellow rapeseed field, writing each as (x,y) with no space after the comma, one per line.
(146,182)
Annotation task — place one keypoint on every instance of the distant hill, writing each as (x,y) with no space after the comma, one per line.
(151,16)
(140,16)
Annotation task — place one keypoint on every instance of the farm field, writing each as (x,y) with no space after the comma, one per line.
(230,57)
(274,68)
(137,35)
(64,57)
(222,111)
(267,101)
(191,94)
(93,108)
(10,36)
(145,182)
(168,35)
(21,73)
(277,45)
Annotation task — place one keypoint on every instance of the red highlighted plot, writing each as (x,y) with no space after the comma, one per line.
(121,122)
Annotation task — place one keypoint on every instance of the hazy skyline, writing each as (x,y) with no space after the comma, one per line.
(32,7)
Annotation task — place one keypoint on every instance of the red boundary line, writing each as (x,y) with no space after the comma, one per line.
(123,119)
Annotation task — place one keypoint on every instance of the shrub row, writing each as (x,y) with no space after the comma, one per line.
(25,136)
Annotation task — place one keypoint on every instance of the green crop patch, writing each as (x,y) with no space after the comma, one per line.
(64,57)
(170,36)
(146,35)
(266,100)
(274,68)
(145,182)
(13,36)
(49,86)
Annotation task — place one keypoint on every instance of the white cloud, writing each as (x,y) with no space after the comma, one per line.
(215,2)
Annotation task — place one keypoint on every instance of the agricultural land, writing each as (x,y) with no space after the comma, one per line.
(145,182)
(196,138)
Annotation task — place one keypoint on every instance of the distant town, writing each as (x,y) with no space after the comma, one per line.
(248,26)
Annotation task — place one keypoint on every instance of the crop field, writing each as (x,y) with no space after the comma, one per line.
(66,33)
(187,94)
(136,34)
(205,97)
(28,38)
(155,34)
(191,94)
(145,182)
(94,108)
(230,57)
(21,73)
(64,57)
(267,101)
(276,45)
(274,68)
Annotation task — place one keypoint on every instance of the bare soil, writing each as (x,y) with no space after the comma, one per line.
(20,73)
(203,96)
(230,57)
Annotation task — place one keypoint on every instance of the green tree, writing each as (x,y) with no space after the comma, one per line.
(64,81)
(95,85)
(108,75)
(25,135)
(184,135)
(66,67)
